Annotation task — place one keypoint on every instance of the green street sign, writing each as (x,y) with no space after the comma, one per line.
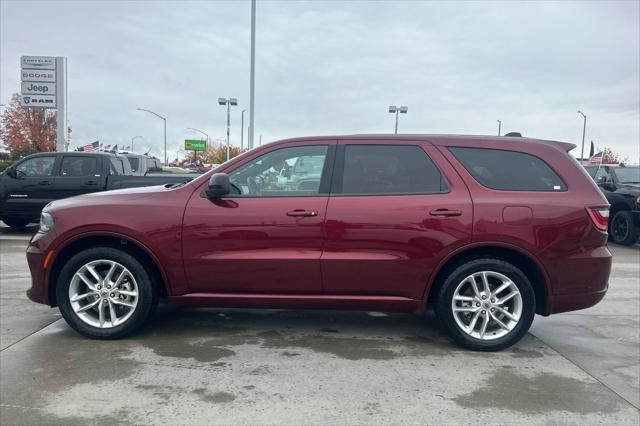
(195,145)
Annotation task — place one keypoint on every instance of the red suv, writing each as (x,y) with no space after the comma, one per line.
(490,230)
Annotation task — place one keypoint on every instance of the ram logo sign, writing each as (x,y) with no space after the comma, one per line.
(42,101)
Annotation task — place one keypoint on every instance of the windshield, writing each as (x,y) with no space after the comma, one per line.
(628,174)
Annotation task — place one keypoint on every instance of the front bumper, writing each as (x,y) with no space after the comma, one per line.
(37,252)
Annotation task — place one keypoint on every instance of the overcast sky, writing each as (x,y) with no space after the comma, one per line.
(335,67)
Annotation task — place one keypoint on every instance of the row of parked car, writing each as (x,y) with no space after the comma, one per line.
(27,186)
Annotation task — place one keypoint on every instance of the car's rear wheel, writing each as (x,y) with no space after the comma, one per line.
(105,293)
(623,229)
(486,304)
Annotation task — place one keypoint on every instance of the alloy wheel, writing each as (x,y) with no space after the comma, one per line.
(487,305)
(103,293)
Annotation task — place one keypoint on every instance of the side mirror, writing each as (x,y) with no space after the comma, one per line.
(218,185)
(12,172)
(602,180)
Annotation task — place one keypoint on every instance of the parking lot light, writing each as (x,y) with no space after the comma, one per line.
(584,127)
(398,110)
(164,119)
(228,102)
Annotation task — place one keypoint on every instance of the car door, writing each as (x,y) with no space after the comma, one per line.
(395,211)
(79,174)
(30,190)
(266,237)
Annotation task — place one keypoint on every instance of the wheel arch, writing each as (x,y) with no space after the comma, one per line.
(530,266)
(617,206)
(76,244)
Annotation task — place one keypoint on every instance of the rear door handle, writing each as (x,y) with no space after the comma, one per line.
(445,213)
(91,182)
(45,182)
(301,213)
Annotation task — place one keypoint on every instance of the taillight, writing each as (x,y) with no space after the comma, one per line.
(599,216)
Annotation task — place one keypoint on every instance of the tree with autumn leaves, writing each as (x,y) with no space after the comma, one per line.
(25,131)
(610,156)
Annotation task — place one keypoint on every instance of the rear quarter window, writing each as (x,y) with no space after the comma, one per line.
(508,170)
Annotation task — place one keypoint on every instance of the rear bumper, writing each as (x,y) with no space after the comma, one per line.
(573,302)
(581,281)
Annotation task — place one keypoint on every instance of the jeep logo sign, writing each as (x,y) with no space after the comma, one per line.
(32,88)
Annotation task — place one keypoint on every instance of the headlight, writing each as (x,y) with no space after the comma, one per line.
(638,200)
(46,222)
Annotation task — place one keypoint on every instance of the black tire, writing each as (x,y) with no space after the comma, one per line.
(444,310)
(623,229)
(147,293)
(16,222)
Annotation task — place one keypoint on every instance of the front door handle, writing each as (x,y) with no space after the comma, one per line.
(91,182)
(45,182)
(301,213)
(445,213)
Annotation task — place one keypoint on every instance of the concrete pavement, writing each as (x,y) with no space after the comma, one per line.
(218,366)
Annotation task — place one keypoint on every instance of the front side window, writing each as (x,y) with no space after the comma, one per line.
(78,166)
(38,166)
(389,169)
(289,172)
(508,170)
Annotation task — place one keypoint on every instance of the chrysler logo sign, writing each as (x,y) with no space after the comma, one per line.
(38,62)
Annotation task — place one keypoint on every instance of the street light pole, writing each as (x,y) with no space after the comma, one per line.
(228,102)
(397,110)
(132,139)
(165,129)
(584,128)
(242,131)
(499,126)
(198,130)
(252,77)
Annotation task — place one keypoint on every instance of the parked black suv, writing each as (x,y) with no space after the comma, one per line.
(621,186)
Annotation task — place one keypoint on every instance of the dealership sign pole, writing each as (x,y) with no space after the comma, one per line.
(44,85)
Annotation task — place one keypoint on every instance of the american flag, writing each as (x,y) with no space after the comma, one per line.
(92,147)
(596,158)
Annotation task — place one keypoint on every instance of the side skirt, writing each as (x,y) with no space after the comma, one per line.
(298,301)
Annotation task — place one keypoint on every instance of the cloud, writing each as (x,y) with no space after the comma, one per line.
(334,67)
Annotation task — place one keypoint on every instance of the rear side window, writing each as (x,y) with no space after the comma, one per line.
(135,163)
(79,166)
(508,170)
(389,169)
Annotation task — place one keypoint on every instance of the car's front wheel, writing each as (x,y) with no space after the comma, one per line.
(105,293)
(15,222)
(486,304)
